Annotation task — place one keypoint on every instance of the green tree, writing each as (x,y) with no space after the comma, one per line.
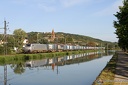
(11,41)
(2,50)
(91,43)
(32,37)
(19,36)
(121,25)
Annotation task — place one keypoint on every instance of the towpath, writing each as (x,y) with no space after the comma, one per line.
(121,76)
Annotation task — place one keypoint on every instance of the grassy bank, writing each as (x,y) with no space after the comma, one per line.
(8,59)
(106,77)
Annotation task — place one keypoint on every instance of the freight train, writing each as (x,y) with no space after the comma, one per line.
(37,48)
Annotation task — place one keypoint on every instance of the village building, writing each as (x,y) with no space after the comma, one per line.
(52,36)
(25,42)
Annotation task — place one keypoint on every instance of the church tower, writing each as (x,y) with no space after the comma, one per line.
(52,35)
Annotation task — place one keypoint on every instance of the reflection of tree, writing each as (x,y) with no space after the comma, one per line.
(18,68)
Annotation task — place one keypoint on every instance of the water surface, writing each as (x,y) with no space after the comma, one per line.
(80,69)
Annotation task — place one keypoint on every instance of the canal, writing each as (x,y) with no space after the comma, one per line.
(80,69)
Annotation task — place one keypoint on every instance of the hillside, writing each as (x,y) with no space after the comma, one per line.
(56,38)
(67,38)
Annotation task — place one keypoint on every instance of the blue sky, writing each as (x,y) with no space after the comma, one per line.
(92,18)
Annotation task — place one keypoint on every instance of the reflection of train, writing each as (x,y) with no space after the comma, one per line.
(50,61)
(30,48)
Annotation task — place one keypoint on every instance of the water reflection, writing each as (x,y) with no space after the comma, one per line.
(49,64)
(60,60)
(5,74)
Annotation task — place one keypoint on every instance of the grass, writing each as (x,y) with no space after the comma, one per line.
(8,59)
(106,77)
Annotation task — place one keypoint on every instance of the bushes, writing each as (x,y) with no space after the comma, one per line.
(2,50)
(2,60)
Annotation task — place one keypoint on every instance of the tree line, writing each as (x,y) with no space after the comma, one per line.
(121,26)
(16,39)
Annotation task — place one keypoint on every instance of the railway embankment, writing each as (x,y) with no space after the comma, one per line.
(115,72)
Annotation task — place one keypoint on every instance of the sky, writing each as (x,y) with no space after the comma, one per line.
(92,18)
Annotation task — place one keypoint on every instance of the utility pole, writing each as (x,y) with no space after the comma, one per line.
(57,43)
(5,52)
(5,37)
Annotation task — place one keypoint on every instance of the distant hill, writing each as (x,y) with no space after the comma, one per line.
(67,38)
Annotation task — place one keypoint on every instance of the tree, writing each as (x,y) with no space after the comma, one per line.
(43,41)
(19,36)
(121,25)
(32,37)
(91,43)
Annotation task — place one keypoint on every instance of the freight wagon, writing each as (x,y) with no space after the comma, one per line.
(37,48)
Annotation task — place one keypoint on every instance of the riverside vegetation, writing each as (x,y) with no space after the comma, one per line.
(8,59)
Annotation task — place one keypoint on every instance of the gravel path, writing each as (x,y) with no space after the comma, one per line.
(121,76)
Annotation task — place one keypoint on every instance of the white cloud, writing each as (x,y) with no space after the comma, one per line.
(47,8)
(46,5)
(21,2)
(69,3)
(110,10)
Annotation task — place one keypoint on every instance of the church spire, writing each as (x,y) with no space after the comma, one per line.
(52,35)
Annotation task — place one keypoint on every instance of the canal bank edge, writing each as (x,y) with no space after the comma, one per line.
(25,57)
(107,75)
(115,72)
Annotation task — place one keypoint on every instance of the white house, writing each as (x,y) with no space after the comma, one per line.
(25,42)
